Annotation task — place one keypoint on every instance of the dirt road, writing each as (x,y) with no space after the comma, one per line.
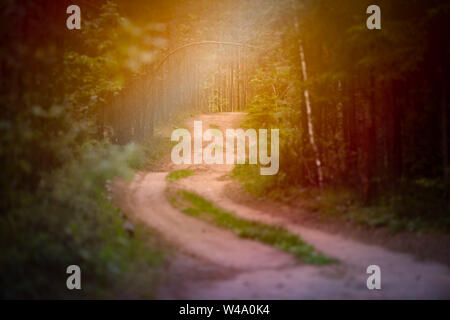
(213,263)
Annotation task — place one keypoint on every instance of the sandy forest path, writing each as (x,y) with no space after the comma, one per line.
(213,263)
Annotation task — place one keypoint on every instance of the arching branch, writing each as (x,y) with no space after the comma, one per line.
(199,43)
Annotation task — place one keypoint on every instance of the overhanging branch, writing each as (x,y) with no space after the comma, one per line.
(199,43)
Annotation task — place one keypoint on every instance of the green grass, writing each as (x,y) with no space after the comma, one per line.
(179,174)
(196,206)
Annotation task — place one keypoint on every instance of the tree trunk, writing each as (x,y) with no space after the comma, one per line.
(308,103)
(397,136)
(309,118)
(230,108)
(238,80)
(445,165)
(351,134)
(372,143)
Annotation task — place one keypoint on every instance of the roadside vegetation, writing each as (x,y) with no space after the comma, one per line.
(70,219)
(179,174)
(363,115)
(415,207)
(196,206)
(58,156)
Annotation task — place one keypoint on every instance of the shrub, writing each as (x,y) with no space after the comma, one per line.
(70,220)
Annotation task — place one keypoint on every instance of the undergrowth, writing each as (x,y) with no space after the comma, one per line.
(70,220)
(415,206)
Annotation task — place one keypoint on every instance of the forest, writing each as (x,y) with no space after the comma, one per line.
(363,118)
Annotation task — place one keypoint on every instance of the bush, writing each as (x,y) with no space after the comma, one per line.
(70,220)
(253,182)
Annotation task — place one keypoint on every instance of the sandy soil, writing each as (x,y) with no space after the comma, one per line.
(212,263)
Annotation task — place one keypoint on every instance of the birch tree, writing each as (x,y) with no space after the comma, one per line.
(308,105)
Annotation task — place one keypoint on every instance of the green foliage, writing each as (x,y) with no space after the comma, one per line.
(70,220)
(179,174)
(251,179)
(277,237)
(415,206)
(275,104)
(153,149)
(114,50)
(55,210)
(374,110)
(57,98)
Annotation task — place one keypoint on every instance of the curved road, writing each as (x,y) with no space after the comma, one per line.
(213,263)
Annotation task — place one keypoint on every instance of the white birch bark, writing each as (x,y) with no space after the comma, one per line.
(308,109)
